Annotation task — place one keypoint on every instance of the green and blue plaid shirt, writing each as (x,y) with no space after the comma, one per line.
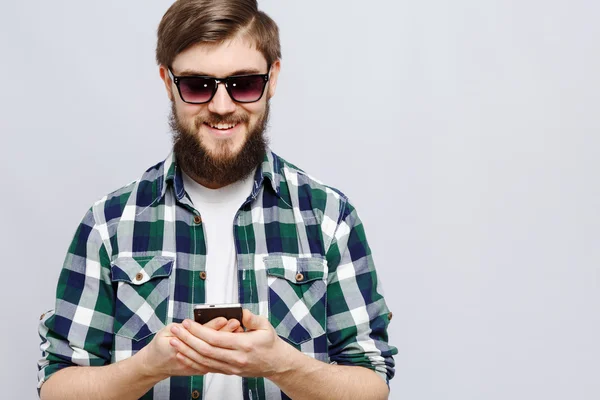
(137,263)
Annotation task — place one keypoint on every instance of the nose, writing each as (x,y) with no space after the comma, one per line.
(221,103)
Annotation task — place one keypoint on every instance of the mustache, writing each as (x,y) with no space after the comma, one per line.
(215,119)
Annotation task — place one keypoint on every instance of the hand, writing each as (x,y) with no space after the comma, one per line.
(159,357)
(257,352)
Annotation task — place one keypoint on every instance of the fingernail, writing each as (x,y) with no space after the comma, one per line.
(175,330)
(187,324)
(231,324)
(174,342)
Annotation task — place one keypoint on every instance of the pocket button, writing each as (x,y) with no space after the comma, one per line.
(299,277)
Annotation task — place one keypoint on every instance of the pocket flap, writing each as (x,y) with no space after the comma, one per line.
(139,270)
(296,269)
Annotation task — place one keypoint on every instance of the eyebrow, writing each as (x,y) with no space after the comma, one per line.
(245,71)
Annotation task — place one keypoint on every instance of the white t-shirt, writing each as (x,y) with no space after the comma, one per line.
(218,208)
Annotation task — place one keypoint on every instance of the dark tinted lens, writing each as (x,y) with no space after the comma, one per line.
(246,88)
(196,90)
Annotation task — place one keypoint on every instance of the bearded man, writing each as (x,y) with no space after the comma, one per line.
(222,220)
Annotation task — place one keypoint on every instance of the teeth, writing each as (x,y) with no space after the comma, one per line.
(223,126)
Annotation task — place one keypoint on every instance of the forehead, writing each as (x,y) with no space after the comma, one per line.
(238,54)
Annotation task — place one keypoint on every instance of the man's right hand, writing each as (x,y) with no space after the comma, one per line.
(159,358)
(132,377)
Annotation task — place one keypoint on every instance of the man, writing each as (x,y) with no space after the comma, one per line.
(222,220)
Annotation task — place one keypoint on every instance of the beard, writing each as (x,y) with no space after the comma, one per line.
(222,166)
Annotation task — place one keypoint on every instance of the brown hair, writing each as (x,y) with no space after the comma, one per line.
(188,22)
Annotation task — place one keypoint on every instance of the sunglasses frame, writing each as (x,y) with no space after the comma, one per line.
(177,80)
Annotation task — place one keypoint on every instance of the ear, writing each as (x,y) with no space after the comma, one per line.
(164,75)
(275,69)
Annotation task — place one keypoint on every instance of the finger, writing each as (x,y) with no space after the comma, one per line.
(193,367)
(190,366)
(180,348)
(198,361)
(217,367)
(216,323)
(210,353)
(232,326)
(254,322)
(167,330)
(221,339)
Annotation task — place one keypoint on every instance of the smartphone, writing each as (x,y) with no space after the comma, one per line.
(206,312)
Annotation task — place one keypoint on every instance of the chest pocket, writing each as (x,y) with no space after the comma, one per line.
(297,296)
(142,295)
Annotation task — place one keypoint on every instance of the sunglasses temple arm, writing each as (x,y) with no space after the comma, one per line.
(171,75)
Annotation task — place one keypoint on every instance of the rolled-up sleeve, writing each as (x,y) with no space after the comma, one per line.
(79,331)
(358,316)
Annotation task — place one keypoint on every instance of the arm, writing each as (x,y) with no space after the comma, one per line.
(79,331)
(131,378)
(357,315)
(126,380)
(359,344)
(77,337)
(327,381)
(260,352)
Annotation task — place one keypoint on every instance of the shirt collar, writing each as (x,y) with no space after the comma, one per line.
(269,169)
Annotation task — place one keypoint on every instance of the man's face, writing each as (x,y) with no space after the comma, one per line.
(221,131)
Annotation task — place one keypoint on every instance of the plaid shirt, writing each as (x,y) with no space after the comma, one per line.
(137,263)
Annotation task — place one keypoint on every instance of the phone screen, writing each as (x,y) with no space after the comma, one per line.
(206,312)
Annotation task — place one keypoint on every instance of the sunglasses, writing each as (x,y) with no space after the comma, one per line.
(195,89)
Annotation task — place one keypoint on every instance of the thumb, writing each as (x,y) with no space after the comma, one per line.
(253,322)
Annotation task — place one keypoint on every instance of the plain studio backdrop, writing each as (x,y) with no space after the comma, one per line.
(465,132)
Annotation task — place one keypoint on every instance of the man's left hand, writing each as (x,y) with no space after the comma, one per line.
(258,352)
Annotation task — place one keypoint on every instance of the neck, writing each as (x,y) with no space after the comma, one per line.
(204,182)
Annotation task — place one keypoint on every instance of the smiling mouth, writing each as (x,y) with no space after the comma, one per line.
(222,127)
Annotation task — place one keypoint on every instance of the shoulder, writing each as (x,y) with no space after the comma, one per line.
(309,193)
(142,192)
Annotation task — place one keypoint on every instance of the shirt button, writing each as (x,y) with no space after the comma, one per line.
(139,276)
(203,275)
(299,277)
(390,315)
(195,394)
(42,316)
(197,220)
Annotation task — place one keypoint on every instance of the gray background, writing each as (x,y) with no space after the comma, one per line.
(465,132)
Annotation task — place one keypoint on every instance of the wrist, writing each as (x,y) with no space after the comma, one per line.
(291,362)
(144,367)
